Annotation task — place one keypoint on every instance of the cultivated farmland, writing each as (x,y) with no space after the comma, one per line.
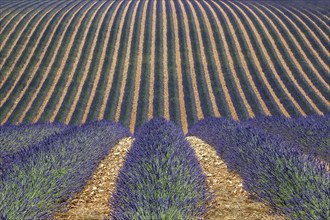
(164,109)
(129,61)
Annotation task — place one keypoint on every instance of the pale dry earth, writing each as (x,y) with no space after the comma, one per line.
(99,68)
(48,69)
(165,63)
(59,71)
(252,51)
(183,115)
(231,201)
(93,201)
(284,63)
(126,64)
(113,63)
(152,63)
(191,60)
(138,73)
(87,65)
(75,66)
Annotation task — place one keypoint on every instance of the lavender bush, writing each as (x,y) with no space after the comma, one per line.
(312,133)
(44,176)
(275,170)
(15,137)
(161,177)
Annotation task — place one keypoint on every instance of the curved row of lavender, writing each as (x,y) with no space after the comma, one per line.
(273,169)
(14,138)
(42,177)
(312,133)
(161,177)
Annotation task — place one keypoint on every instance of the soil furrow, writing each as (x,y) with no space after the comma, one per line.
(36,66)
(307,42)
(75,64)
(99,69)
(47,70)
(183,115)
(302,52)
(192,71)
(26,62)
(165,64)
(93,201)
(36,12)
(222,79)
(14,14)
(314,24)
(88,66)
(270,61)
(241,56)
(15,42)
(322,47)
(231,201)
(152,63)
(126,64)
(59,72)
(204,61)
(113,64)
(253,54)
(232,68)
(21,17)
(284,63)
(139,69)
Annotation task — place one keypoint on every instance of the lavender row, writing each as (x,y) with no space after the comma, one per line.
(41,178)
(161,177)
(14,138)
(312,133)
(273,169)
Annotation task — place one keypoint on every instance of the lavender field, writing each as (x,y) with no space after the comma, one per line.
(283,162)
(183,60)
(165,109)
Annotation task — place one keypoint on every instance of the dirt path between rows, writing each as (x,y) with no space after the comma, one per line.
(191,61)
(165,64)
(231,200)
(93,201)
(138,74)
(37,65)
(100,64)
(88,64)
(126,63)
(266,54)
(113,63)
(203,57)
(49,65)
(283,62)
(72,72)
(231,64)
(61,65)
(183,112)
(252,52)
(152,63)
(296,43)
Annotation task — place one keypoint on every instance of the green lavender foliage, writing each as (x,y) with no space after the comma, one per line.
(275,170)
(161,177)
(44,176)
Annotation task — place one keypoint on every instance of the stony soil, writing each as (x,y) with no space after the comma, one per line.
(93,201)
(231,201)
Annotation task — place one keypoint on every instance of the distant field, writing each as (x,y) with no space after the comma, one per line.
(75,61)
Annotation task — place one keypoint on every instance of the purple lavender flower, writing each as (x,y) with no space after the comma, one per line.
(274,167)
(161,177)
(43,176)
